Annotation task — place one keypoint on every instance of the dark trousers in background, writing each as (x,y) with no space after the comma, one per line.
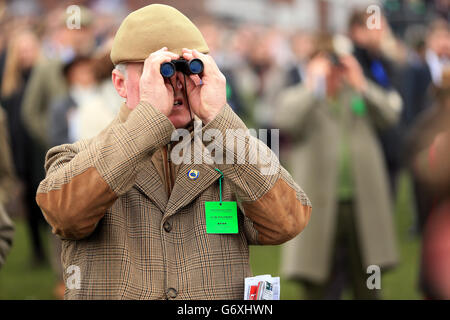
(347,269)
(35,221)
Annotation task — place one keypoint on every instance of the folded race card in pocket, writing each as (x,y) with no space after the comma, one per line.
(264,287)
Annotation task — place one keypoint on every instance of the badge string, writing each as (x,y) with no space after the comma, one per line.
(186,96)
(220,184)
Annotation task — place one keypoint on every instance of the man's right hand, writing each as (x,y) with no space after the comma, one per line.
(152,87)
(317,70)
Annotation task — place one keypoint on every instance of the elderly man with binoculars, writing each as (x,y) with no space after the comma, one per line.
(134,224)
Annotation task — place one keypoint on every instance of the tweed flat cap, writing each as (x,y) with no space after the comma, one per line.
(150,28)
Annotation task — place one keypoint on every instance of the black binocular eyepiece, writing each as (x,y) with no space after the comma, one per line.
(194,66)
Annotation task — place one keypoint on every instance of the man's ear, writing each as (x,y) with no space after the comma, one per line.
(118,80)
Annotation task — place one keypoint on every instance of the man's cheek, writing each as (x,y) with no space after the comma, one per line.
(137,92)
(133,96)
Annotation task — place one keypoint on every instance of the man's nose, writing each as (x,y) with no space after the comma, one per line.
(178,80)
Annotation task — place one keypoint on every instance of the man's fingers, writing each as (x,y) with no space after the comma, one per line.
(186,50)
(156,63)
(169,88)
(194,54)
(158,56)
(188,56)
(196,79)
(153,54)
(210,67)
(208,63)
(153,63)
(198,54)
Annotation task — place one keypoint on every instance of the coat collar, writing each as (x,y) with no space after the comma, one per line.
(124,112)
(150,182)
(186,189)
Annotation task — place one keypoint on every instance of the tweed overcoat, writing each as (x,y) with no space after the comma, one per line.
(133,222)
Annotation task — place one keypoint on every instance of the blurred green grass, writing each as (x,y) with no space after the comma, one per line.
(19,279)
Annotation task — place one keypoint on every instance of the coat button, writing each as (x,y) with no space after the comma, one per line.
(172,293)
(167,226)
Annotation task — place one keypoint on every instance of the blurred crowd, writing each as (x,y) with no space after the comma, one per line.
(354,110)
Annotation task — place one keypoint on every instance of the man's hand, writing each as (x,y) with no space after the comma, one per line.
(208,98)
(354,74)
(317,70)
(152,87)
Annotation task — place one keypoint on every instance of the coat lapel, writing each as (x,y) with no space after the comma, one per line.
(187,189)
(148,181)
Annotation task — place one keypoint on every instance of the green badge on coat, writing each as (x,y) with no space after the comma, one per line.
(221,217)
(359,106)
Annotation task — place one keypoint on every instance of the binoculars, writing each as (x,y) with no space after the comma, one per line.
(194,66)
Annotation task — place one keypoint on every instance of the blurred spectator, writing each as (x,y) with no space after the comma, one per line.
(431,133)
(416,78)
(427,61)
(63,43)
(376,51)
(241,44)
(427,142)
(47,80)
(64,118)
(429,147)
(7,177)
(46,84)
(332,118)
(215,35)
(91,103)
(22,54)
(438,50)
(96,113)
(261,78)
(402,14)
(302,44)
(6,234)
(6,183)
(426,66)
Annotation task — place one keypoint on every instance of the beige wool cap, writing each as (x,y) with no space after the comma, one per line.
(150,28)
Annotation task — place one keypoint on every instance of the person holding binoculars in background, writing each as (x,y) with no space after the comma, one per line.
(334,115)
(135,224)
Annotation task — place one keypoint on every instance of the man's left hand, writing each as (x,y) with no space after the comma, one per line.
(208,96)
(354,74)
